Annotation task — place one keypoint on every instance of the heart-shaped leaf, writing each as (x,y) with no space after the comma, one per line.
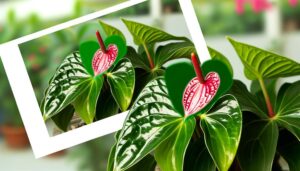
(258,145)
(173,51)
(197,157)
(85,104)
(170,153)
(222,127)
(110,30)
(143,34)
(288,108)
(122,80)
(289,147)
(93,57)
(248,101)
(260,63)
(180,72)
(65,86)
(150,121)
(63,118)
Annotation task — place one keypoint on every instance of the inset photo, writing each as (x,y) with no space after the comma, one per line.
(97,69)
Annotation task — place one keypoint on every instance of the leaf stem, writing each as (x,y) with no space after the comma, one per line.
(197,68)
(267,98)
(148,56)
(101,43)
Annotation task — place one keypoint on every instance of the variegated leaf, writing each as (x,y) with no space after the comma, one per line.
(151,120)
(67,83)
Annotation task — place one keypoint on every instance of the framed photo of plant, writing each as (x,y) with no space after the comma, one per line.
(98,75)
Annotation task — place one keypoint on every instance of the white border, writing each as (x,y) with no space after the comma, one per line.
(42,144)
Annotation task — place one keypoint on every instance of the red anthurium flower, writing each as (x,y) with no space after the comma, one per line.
(104,57)
(199,92)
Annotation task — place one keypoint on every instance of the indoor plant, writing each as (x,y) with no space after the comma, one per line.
(271,118)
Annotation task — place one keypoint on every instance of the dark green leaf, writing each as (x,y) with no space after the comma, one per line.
(143,34)
(260,63)
(222,127)
(173,51)
(66,85)
(197,157)
(218,56)
(85,104)
(289,148)
(121,80)
(270,86)
(110,30)
(148,163)
(106,105)
(258,145)
(150,121)
(247,101)
(288,108)
(137,60)
(63,118)
(170,154)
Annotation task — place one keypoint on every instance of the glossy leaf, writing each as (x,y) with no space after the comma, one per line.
(110,30)
(258,145)
(85,104)
(222,127)
(218,56)
(63,118)
(248,102)
(173,51)
(170,153)
(197,157)
(150,121)
(122,80)
(288,108)
(65,86)
(143,34)
(289,147)
(260,63)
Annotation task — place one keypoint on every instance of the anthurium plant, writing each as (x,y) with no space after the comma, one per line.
(179,109)
(271,127)
(105,76)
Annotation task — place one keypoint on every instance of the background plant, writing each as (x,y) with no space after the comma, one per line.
(271,118)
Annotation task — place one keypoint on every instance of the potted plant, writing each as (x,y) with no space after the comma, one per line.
(12,128)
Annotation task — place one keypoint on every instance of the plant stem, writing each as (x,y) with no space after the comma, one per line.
(101,43)
(197,68)
(267,98)
(148,56)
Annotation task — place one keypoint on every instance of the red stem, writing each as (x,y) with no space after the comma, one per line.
(100,41)
(197,68)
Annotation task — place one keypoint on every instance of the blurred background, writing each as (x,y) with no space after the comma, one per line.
(275,28)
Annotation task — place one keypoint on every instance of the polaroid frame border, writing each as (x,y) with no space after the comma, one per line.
(42,144)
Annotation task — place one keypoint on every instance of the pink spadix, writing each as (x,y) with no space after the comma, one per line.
(199,91)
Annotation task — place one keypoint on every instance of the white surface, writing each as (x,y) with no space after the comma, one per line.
(24,160)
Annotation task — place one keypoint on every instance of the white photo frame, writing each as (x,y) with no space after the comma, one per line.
(42,144)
